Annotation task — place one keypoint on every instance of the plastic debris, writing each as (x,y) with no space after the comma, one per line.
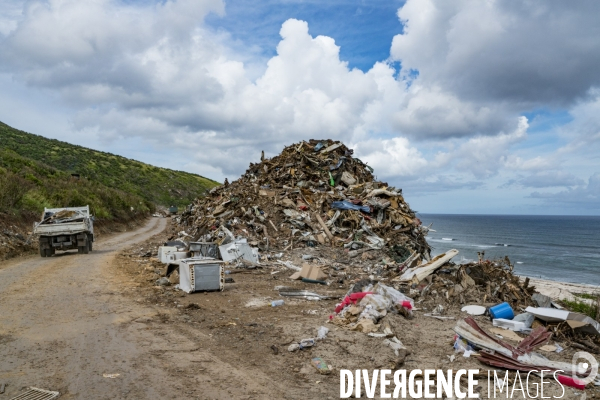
(304,343)
(502,311)
(320,365)
(474,310)
(346,205)
(322,332)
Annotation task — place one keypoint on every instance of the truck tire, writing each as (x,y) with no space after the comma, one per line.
(42,251)
(86,248)
(90,242)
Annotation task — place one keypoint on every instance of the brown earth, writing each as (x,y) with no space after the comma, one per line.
(69,319)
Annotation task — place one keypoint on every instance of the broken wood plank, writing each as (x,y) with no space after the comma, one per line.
(325,228)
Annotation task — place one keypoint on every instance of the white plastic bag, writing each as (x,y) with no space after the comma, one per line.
(322,332)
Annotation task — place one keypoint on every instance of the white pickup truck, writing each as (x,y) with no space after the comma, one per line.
(64,229)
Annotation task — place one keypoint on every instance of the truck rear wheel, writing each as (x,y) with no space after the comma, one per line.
(42,251)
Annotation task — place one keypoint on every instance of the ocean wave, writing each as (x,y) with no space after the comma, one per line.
(448,239)
(440,240)
(501,244)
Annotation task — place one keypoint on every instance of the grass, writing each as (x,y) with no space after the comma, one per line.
(592,309)
(27,186)
(159,186)
(586,296)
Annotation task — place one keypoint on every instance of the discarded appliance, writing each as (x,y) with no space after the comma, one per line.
(238,249)
(200,275)
(176,243)
(173,258)
(204,249)
(164,251)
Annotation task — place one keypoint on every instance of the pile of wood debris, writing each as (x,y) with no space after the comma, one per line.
(313,194)
(482,282)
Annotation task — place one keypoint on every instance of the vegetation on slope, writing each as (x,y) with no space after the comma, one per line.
(155,185)
(27,186)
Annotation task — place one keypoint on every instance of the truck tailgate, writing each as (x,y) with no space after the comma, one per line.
(64,228)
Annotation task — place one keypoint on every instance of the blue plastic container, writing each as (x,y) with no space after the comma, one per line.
(502,310)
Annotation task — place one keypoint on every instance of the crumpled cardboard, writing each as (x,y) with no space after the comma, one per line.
(309,271)
(365,326)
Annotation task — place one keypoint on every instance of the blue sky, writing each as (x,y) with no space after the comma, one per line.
(470,107)
(363,29)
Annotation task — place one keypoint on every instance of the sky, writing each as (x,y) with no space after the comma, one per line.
(470,106)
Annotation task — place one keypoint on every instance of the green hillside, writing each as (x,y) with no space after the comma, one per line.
(159,186)
(27,186)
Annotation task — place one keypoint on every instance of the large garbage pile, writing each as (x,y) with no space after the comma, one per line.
(313,194)
(485,281)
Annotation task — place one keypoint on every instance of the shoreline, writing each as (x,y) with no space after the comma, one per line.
(558,290)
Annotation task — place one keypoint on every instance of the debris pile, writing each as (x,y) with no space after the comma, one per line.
(317,205)
(366,305)
(14,241)
(66,215)
(498,353)
(485,281)
(313,194)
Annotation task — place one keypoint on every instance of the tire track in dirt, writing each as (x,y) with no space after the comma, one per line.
(66,322)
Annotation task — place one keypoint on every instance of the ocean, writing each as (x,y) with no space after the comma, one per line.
(561,248)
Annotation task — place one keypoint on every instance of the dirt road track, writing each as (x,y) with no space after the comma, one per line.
(64,323)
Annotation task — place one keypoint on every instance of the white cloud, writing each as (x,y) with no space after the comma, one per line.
(391,158)
(483,156)
(430,112)
(450,118)
(583,133)
(538,163)
(11,13)
(547,179)
(580,198)
(526,53)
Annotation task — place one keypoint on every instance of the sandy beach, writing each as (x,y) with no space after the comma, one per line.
(562,290)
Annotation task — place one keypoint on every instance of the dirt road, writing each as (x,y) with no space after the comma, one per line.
(64,324)
(95,327)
